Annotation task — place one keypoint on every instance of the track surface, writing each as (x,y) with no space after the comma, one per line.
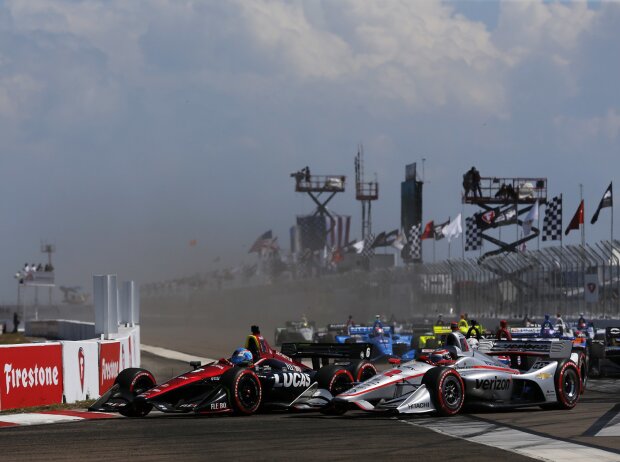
(301,436)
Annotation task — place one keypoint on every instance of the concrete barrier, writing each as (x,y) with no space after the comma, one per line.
(66,371)
(60,329)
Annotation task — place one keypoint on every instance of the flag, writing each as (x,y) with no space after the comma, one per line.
(454,229)
(264,240)
(497,217)
(429,230)
(577,219)
(391,237)
(530,218)
(473,236)
(379,240)
(552,223)
(337,229)
(311,232)
(606,201)
(437,230)
(415,243)
(399,242)
(358,246)
(368,250)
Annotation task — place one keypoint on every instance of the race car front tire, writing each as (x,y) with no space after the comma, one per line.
(335,379)
(567,385)
(446,388)
(582,364)
(362,370)
(134,381)
(245,390)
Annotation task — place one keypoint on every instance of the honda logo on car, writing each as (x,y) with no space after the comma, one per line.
(493,384)
(292,379)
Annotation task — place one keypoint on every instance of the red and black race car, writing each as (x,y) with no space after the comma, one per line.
(272,380)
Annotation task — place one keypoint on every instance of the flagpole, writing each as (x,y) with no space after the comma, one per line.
(583,227)
(562,218)
(434,240)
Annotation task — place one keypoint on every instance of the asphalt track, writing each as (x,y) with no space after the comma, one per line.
(312,436)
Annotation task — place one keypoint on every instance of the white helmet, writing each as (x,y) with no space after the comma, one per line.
(473,343)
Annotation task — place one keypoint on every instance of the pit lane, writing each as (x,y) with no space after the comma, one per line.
(312,436)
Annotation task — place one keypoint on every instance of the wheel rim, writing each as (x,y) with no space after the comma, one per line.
(340,383)
(570,385)
(452,392)
(248,392)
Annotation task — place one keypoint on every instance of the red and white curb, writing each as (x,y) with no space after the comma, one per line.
(51,417)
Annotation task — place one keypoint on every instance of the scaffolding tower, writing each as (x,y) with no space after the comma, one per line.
(365,192)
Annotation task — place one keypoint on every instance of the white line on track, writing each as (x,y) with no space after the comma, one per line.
(176,355)
(509,439)
(612,428)
(37,419)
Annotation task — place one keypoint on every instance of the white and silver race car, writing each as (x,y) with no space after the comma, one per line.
(499,374)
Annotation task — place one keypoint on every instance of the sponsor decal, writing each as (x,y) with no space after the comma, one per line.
(493,384)
(540,364)
(291,379)
(81,366)
(218,406)
(614,331)
(109,365)
(591,287)
(31,376)
(420,405)
(544,376)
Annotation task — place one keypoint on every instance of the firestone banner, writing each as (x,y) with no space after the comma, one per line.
(81,376)
(109,364)
(31,375)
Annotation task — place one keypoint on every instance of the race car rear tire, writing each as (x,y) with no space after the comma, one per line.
(362,370)
(134,381)
(446,388)
(335,379)
(567,385)
(245,390)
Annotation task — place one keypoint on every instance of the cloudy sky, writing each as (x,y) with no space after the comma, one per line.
(130,128)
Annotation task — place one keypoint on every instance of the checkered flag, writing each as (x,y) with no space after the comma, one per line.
(473,235)
(415,243)
(368,250)
(552,223)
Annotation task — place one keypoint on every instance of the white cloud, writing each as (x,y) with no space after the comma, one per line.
(583,130)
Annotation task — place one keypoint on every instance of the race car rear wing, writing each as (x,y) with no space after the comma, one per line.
(320,353)
(550,348)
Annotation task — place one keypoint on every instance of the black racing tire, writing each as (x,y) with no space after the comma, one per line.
(335,379)
(567,385)
(446,388)
(362,370)
(245,390)
(132,382)
(475,330)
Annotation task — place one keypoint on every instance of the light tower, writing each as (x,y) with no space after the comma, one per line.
(365,192)
(49,249)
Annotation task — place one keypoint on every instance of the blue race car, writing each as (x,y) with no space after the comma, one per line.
(385,343)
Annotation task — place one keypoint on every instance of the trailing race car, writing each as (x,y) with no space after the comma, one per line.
(295,331)
(538,373)
(256,377)
(605,352)
(385,343)
(580,344)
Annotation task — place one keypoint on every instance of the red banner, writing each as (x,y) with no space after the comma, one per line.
(109,364)
(31,375)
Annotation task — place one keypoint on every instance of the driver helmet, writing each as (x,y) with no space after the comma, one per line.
(443,356)
(241,356)
(473,343)
(505,360)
